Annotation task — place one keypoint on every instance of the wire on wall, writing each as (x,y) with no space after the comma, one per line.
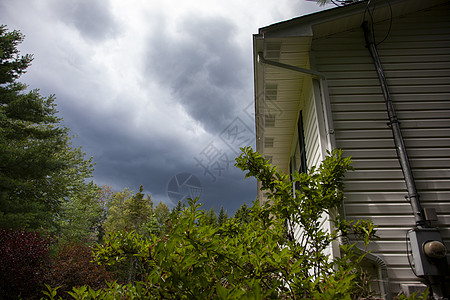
(370,11)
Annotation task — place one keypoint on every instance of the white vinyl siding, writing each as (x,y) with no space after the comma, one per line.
(310,130)
(416,60)
(312,140)
(314,149)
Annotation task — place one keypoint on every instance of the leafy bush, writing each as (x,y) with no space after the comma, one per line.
(72,266)
(255,259)
(24,259)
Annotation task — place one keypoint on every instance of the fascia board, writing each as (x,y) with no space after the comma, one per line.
(303,25)
(300,30)
(258,69)
(350,16)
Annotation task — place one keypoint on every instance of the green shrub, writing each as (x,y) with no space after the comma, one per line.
(251,260)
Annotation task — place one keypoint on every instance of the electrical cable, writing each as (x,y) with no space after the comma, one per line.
(390,24)
(342,2)
(372,26)
(370,12)
(332,1)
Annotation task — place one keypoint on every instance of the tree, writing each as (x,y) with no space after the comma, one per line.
(82,216)
(243,214)
(176,210)
(105,196)
(39,168)
(129,212)
(223,216)
(252,260)
(162,214)
(210,218)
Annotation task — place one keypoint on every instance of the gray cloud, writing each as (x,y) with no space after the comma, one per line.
(92,18)
(203,67)
(134,87)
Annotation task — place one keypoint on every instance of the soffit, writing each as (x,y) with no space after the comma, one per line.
(281,96)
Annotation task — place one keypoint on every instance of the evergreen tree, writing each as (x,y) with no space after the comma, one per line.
(81,217)
(131,212)
(162,213)
(39,168)
(211,218)
(176,210)
(242,215)
(223,216)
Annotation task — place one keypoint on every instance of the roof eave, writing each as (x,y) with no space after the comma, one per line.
(313,24)
(258,46)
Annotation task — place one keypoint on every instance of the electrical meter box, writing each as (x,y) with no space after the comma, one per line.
(422,264)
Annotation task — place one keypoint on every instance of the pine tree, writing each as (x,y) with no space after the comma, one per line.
(242,215)
(39,169)
(223,216)
(131,212)
(211,218)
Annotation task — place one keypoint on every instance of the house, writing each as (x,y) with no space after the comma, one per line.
(317,88)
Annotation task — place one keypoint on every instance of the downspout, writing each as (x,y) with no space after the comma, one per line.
(313,73)
(427,247)
(382,273)
(382,268)
(329,127)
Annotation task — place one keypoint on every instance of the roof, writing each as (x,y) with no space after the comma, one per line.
(343,18)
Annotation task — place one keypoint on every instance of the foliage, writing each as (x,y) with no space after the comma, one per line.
(39,168)
(210,217)
(72,266)
(223,216)
(131,212)
(24,257)
(415,296)
(82,216)
(162,213)
(253,259)
(243,214)
(112,292)
(196,259)
(318,194)
(128,212)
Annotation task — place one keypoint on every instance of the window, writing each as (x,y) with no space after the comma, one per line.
(297,163)
(298,159)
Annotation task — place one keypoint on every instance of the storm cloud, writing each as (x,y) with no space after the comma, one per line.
(202,65)
(152,89)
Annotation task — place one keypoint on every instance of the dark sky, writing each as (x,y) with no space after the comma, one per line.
(157,92)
